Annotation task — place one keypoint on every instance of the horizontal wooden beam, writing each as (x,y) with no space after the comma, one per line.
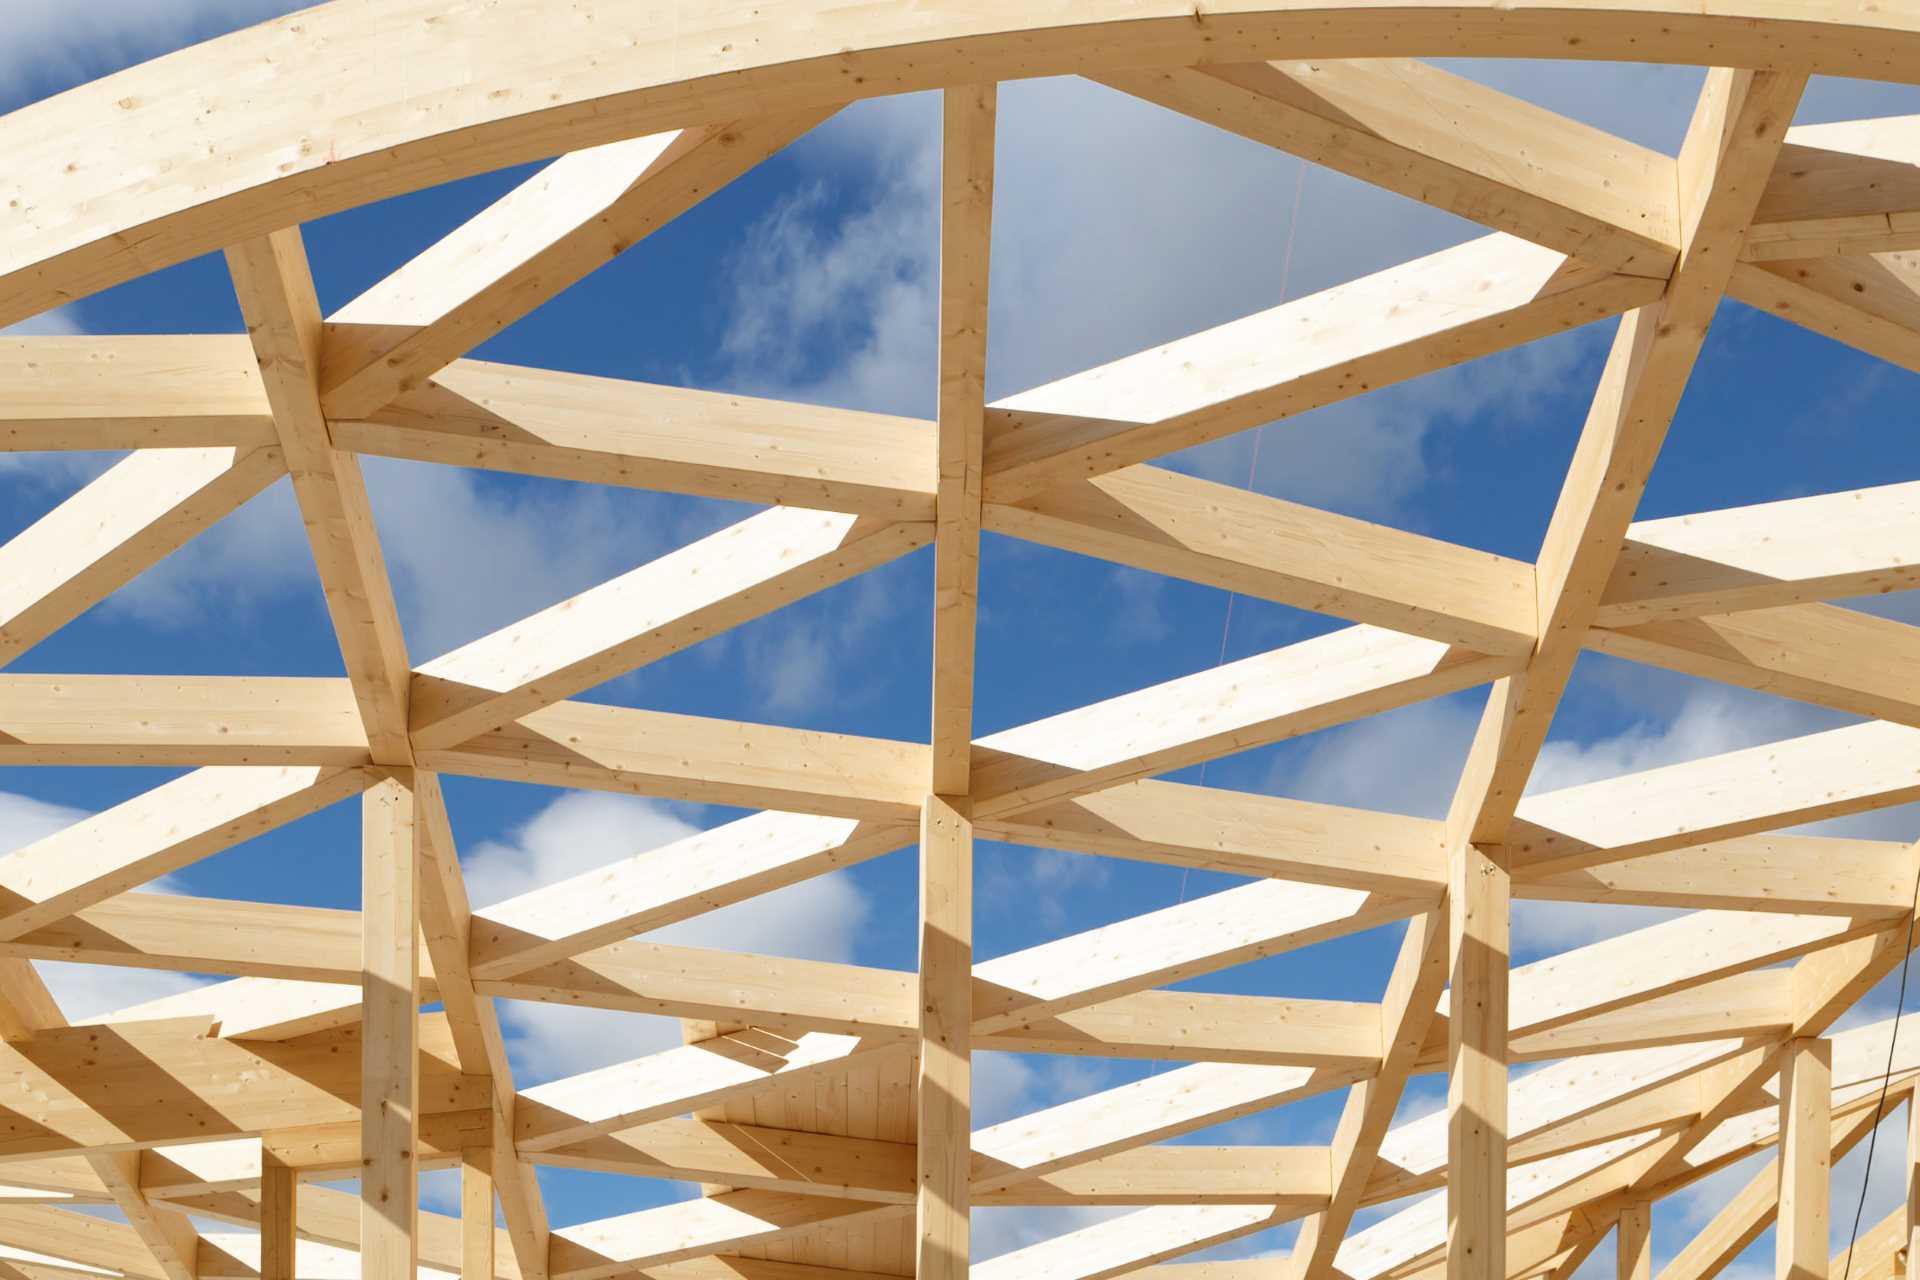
(678,757)
(1444,309)
(1782,784)
(1828,546)
(549,232)
(156,833)
(1313,684)
(1871,303)
(695,1228)
(132,392)
(179,720)
(644,615)
(1210,829)
(118,526)
(1848,187)
(570,426)
(1821,654)
(1271,549)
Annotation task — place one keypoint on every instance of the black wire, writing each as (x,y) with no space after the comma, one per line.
(1886,1080)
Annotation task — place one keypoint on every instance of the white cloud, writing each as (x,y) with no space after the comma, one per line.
(1041,884)
(1002,1230)
(466,554)
(1405,761)
(812,279)
(58,323)
(24,819)
(88,990)
(817,919)
(579,832)
(84,990)
(1409,761)
(1710,721)
(1548,928)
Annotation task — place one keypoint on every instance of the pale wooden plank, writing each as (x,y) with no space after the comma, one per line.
(1841,771)
(1773,872)
(660,608)
(390,998)
(570,426)
(1766,555)
(1822,654)
(1633,1243)
(676,1081)
(1452,306)
(92,391)
(156,833)
(580,744)
(1730,146)
(674,882)
(278,1221)
(694,1228)
(1271,549)
(529,245)
(1870,302)
(945,1083)
(1133,1115)
(115,528)
(476,1213)
(1313,684)
(1847,187)
(275,288)
(179,720)
(966,229)
(740,1155)
(1172,944)
(1127,1243)
(1478,930)
(202,175)
(1806,1086)
(446,925)
(1211,829)
(1412,989)
(1290,1179)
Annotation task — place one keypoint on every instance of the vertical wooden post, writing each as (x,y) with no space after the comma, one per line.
(1633,1242)
(1913,1178)
(277,1239)
(946,1013)
(390,979)
(476,1213)
(1806,1122)
(966,235)
(1478,894)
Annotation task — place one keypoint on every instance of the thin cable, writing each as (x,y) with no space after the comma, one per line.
(1253,472)
(1886,1080)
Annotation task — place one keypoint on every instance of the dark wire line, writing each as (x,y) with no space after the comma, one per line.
(1886,1080)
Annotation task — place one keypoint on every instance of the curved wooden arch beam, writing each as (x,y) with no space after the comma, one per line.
(193,161)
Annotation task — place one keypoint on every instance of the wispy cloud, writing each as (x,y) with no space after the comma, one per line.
(817,919)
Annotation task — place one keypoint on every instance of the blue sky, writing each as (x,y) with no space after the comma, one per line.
(1117,226)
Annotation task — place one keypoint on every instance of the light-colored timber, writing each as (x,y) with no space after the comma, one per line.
(825,1110)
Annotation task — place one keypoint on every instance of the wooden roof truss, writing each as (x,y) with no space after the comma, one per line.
(826,1107)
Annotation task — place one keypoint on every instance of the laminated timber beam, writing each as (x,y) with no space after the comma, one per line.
(1453,306)
(249,189)
(275,288)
